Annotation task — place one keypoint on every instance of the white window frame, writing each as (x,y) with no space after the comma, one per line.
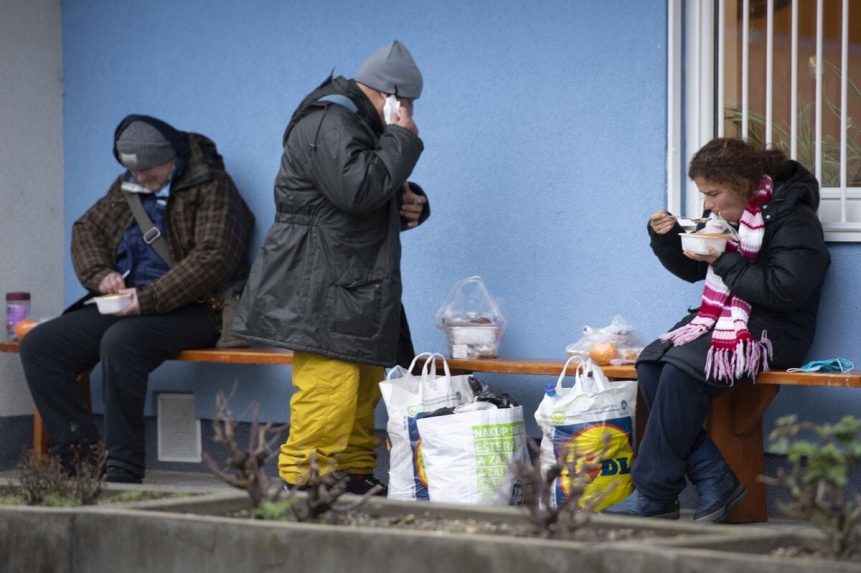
(691,70)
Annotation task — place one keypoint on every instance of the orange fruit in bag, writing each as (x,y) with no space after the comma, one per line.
(603,352)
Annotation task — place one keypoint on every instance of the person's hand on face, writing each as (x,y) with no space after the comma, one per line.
(662,222)
(412,206)
(404,116)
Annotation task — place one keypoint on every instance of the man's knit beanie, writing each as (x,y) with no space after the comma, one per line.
(392,70)
(141,146)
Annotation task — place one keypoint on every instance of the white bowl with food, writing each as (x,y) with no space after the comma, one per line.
(699,243)
(111,303)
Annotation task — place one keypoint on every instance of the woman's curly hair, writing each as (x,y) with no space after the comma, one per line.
(737,164)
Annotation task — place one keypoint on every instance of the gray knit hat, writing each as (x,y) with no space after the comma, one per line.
(141,146)
(392,70)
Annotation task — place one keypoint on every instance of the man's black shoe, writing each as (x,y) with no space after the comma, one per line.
(117,474)
(360,484)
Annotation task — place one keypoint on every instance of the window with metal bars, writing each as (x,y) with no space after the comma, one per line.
(779,73)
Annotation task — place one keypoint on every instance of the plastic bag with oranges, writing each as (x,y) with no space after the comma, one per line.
(615,343)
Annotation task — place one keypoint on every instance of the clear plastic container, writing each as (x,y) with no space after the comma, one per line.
(473,340)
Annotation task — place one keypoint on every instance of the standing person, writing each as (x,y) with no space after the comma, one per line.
(202,228)
(758,311)
(327,282)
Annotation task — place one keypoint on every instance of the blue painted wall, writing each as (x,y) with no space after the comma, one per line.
(545,132)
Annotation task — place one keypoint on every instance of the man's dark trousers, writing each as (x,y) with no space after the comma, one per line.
(129,348)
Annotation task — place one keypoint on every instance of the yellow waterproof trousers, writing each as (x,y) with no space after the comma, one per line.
(331,417)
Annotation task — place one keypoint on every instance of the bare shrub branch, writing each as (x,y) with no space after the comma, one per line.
(245,467)
(548,518)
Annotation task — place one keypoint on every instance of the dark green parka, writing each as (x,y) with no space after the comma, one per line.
(783,285)
(328,277)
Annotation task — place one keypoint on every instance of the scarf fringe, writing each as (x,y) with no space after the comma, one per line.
(747,359)
(685,334)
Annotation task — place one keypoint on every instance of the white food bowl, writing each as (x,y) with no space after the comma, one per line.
(699,243)
(112,303)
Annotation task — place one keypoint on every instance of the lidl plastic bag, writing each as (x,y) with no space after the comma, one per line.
(580,422)
(615,343)
(405,395)
(472,320)
(469,455)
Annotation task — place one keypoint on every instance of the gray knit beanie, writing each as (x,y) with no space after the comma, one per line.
(141,146)
(392,70)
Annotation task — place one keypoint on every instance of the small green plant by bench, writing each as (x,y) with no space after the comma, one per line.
(818,476)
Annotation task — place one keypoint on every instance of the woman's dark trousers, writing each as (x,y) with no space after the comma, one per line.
(674,443)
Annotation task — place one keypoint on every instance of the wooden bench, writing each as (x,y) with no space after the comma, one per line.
(734,423)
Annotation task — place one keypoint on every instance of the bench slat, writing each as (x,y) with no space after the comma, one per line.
(532,366)
(550,367)
(238,355)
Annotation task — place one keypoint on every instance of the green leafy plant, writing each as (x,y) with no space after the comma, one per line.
(806,135)
(818,477)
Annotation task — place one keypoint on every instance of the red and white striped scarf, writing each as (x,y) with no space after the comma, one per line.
(734,353)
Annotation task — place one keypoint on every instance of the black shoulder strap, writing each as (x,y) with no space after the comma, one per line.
(151,235)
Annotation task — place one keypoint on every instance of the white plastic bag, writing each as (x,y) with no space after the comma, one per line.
(472,320)
(468,456)
(615,343)
(405,395)
(579,419)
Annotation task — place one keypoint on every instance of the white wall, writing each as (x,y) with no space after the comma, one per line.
(31,171)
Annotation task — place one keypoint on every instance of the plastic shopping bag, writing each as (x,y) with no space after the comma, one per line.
(405,395)
(577,423)
(469,455)
(615,343)
(472,320)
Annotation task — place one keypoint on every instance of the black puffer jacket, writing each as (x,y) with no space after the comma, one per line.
(328,278)
(783,286)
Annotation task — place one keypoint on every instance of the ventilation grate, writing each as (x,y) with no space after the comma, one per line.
(178,430)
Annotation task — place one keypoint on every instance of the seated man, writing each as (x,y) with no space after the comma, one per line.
(172,262)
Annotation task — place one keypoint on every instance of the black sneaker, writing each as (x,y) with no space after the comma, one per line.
(360,484)
(717,497)
(117,474)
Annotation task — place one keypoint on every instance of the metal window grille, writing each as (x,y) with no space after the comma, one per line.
(779,73)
